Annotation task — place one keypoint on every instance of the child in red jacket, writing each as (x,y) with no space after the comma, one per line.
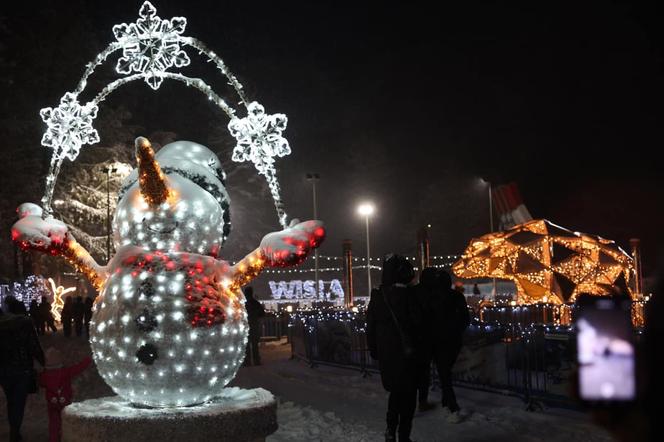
(56,379)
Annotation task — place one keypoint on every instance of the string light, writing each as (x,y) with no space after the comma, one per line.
(33,288)
(529,315)
(58,301)
(309,318)
(259,140)
(151,45)
(302,290)
(69,126)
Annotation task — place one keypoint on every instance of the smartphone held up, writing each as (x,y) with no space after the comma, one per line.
(605,352)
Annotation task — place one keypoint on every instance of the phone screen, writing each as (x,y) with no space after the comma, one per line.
(605,352)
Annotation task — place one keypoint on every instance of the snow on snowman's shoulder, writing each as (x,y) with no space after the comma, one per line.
(232,400)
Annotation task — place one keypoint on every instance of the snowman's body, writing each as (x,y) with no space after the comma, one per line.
(169,327)
(151,340)
(166,331)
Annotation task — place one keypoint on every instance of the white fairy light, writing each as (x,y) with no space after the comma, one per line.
(259,140)
(69,126)
(151,45)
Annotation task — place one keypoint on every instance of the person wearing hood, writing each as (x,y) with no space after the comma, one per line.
(67,316)
(425,291)
(451,317)
(87,317)
(36,316)
(46,313)
(19,346)
(394,339)
(56,380)
(255,311)
(78,313)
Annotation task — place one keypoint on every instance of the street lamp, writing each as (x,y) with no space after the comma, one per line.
(108,170)
(313,178)
(490,221)
(488,183)
(366,210)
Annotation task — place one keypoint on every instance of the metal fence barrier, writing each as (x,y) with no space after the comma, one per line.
(533,362)
(273,326)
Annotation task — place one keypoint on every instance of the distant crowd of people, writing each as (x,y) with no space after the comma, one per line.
(76,314)
(408,328)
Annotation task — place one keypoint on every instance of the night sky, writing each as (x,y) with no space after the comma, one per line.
(401,104)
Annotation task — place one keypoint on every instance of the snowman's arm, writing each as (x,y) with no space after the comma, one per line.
(76,255)
(32,232)
(285,248)
(244,271)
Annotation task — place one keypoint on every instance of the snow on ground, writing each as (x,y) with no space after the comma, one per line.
(314,400)
(332,404)
(298,423)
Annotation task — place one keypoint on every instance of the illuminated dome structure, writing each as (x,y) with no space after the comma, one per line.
(546,262)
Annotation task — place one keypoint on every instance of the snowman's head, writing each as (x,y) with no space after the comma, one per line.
(175,200)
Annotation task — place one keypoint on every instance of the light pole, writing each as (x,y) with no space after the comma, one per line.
(108,170)
(313,178)
(367,209)
(490,222)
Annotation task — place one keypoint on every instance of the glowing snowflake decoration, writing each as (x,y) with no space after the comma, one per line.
(151,45)
(69,127)
(259,137)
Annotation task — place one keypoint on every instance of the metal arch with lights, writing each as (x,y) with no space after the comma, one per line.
(70,124)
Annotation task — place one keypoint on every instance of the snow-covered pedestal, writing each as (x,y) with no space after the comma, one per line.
(238,415)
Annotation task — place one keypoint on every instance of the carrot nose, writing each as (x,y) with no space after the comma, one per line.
(150,177)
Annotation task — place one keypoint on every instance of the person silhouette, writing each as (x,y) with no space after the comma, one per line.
(78,314)
(394,337)
(452,314)
(426,290)
(67,316)
(255,311)
(19,346)
(87,315)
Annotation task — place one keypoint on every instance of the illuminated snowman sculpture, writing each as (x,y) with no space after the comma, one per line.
(170,326)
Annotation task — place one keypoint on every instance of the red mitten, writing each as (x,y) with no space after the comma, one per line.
(292,245)
(31,231)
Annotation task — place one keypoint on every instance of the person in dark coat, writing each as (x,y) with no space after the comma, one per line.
(47,314)
(451,312)
(19,346)
(255,311)
(427,288)
(36,316)
(78,313)
(394,339)
(67,315)
(87,316)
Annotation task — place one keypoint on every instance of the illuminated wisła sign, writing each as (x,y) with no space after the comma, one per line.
(297,289)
